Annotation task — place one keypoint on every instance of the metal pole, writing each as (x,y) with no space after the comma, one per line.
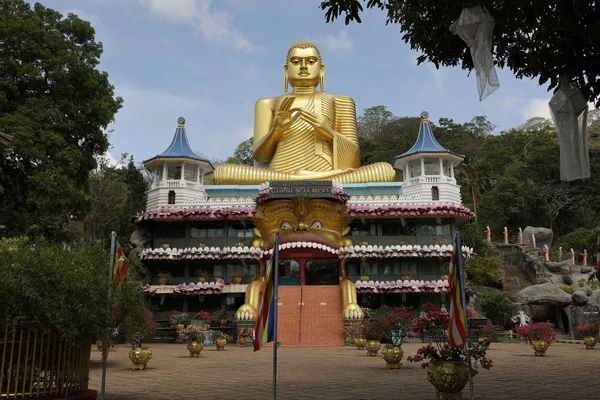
(275,269)
(105,344)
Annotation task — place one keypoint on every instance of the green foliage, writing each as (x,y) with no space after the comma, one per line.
(521,29)
(243,154)
(567,289)
(496,306)
(473,235)
(580,238)
(55,104)
(483,271)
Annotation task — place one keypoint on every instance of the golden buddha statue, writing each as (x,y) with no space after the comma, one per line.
(305,135)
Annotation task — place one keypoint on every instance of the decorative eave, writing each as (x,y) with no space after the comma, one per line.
(201,253)
(404,251)
(212,209)
(158,160)
(403,286)
(364,210)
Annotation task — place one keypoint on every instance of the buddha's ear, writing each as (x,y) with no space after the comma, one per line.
(285,78)
(322,77)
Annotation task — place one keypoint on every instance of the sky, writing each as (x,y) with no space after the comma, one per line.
(209,61)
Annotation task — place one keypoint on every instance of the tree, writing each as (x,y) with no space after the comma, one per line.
(536,39)
(243,154)
(56,106)
(372,122)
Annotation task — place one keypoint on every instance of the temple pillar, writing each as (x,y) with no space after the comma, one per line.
(164,176)
(422,167)
(441,167)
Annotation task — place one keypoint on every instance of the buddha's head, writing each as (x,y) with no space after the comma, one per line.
(302,220)
(303,66)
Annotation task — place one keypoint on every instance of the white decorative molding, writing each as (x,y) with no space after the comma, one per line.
(371,251)
(193,253)
(403,286)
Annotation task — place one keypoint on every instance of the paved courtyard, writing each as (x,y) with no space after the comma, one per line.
(567,372)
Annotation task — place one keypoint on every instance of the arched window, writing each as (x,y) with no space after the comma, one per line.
(171,197)
(435,193)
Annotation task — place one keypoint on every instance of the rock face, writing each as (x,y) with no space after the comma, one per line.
(563,266)
(543,236)
(595,298)
(544,294)
(580,298)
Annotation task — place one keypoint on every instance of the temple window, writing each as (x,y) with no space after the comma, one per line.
(239,231)
(215,231)
(174,172)
(171,199)
(432,168)
(415,168)
(395,228)
(435,193)
(190,173)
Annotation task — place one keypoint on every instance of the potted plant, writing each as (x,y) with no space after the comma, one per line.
(136,327)
(201,276)
(221,316)
(488,334)
(540,335)
(407,275)
(431,321)
(399,324)
(351,332)
(590,335)
(220,339)
(194,336)
(244,335)
(177,319)
(237,278)
(163,278)
(447,367)
(205,317)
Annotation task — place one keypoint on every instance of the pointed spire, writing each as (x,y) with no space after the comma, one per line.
(426,142)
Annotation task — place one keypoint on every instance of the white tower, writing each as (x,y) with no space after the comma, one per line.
(429,168)
(178,174)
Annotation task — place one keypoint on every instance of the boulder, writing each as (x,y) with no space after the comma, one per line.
(594,298)
(586,270)
(579,298)
(544,294)
(562,267)
(543,236)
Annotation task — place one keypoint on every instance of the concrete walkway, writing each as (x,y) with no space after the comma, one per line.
(569,371)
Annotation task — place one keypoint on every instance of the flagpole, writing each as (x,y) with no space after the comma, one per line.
(105,344)
(275,270)
(463,286)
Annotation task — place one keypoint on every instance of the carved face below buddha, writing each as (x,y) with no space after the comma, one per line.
(302,220)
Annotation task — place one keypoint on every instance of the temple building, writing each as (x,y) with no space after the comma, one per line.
(351,237)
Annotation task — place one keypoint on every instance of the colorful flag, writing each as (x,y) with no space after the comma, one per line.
(457,331)
(264,327)
(120,265)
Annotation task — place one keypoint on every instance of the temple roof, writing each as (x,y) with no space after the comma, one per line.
(179,149)
(427,144)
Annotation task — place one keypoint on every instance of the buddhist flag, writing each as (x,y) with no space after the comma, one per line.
(119,266)
(264,327)
(457,331)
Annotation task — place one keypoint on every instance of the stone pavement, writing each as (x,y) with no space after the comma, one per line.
(568,371)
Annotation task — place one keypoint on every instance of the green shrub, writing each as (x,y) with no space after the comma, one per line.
(483,271)
(496,306)
(473,235)
(579,239)
(567,289)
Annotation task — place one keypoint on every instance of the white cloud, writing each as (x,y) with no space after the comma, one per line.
(536,107)
(510,102)
(214,26)
(339,42)
(437,75)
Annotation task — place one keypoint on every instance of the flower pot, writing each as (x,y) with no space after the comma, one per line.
(237,280)
(590,342)
(364,278)
(163,281)
(360,343)
(180,326)
(201,279)
(220,343)
(449,378)
(195,348)
(139,357)
(540,347)
(352,340)
(392,355)
(484,342)
(242,341)
(207,326)
(223,322)
(373,347)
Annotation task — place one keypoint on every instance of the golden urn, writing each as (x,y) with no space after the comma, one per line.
(220,343)
(242,341)
(195,348)
(139,357)
(373,347)
(360,343)
(449,378)
(484,342)
(392,354)
(540,347)
(590,342)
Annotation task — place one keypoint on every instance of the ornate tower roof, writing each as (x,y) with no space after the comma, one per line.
(427,144)
(179,150)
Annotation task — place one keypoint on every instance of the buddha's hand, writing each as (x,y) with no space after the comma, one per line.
(320,123)
(285,116)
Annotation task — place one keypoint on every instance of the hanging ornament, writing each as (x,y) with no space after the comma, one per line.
(476,27)
(569,112)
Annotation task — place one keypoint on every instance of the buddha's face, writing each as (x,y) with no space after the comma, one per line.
(303,67)
(302,220)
